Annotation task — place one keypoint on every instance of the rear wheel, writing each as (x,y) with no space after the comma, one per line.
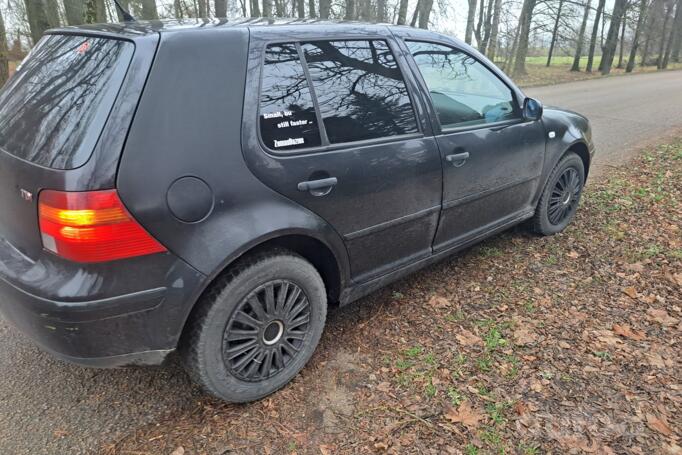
(560,198)
(257,327)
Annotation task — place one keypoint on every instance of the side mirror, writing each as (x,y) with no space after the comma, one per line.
(532,109)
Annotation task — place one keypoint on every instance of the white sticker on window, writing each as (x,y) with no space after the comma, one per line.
(289,142)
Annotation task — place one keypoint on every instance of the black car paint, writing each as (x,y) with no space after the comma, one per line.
(191,118)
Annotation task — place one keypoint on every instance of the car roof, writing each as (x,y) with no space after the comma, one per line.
(141,28)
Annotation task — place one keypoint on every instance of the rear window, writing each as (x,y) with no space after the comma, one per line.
(54,108)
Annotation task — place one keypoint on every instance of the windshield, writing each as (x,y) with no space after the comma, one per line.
(54,108)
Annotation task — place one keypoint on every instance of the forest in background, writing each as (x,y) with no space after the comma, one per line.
(589,35)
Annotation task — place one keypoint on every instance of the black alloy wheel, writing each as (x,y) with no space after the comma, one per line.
(266,331)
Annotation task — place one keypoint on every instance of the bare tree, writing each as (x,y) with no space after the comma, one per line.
(74,11)
(325,7)
(350,10)
(221,8)
(622,39)
(609,51)
(661,50)
(402,12)
(4,59)
(494,30)
(471,17)
(425,13)
(555,32)
(674,33)
(595,31)
(581,38)
(638,31)
(524,32)
(37,19)
(149,10)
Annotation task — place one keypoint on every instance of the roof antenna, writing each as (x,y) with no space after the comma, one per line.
(127,17)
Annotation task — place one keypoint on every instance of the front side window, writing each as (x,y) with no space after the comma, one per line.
(287,112)
(360,90)
(463,91)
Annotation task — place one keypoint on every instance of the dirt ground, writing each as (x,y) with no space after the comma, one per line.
(528,345)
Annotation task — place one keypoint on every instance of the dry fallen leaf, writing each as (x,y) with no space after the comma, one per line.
(381,447)
(179,451)
(439,302)
(661,316)
(636,267)
(658,424)
(467,338)
(628,332)
(630,292)
(573,255)
(325,450)
(523,337)
(384,387)
(464,414)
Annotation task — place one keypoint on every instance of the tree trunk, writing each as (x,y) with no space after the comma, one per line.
(612,37)
(300,8)
(402,12)
(581,38)
(487,24)
(471,17)
(149,11)
(555,32)
(674,31)
(125,4)
(311,8)
(37,19)
(524,31)
(415,16)
(4,58)
(635,40)
(479,25)
(350,10)
(74,11)
(649,33)
(494,30)
(425,13)
(509,60)
(52,13)
(593,39)
(622,39)
(365,12)
(661,49)
(202,8)
(325,6)
(381,10)
(221,8)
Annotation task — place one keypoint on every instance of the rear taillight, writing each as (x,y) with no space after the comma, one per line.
(91,227)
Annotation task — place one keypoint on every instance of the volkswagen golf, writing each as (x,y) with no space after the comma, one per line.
(210,187)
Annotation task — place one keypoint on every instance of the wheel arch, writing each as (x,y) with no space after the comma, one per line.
(580,148)
(328,262)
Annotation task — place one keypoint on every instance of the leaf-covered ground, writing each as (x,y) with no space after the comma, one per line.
(565,344)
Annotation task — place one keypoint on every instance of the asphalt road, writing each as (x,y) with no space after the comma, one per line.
(49,407)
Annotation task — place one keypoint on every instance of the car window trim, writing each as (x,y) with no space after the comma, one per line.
(318,112)
(455,129)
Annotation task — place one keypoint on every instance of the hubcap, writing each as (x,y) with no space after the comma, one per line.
(266,331)
(565,196)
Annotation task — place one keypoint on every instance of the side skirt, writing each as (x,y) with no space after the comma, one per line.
(360,290)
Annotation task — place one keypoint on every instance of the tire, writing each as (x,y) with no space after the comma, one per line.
(225,324)
(560,197)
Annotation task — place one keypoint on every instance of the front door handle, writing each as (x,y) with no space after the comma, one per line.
(320,187)
(457,159)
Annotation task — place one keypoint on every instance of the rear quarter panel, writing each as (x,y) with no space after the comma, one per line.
(189,124)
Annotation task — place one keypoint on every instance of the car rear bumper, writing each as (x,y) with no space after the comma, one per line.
(92,315)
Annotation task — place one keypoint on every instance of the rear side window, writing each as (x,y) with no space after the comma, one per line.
(287,113)
(54,108)
(360,90)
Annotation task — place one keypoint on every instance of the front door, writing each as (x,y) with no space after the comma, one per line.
(339,134)
(492,157)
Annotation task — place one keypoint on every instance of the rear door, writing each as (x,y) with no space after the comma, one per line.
(339,134)
(492,157)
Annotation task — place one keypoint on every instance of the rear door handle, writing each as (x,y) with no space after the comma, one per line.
(457,159)
(316,185)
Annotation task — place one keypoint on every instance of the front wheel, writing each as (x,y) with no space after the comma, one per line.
(257,327)
(560,198)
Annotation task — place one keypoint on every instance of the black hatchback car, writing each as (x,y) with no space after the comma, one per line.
(211,187)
